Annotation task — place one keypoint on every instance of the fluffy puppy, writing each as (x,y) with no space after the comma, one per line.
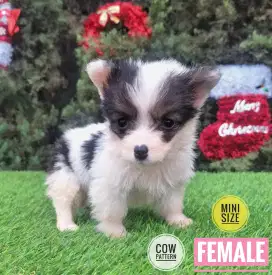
(142,154)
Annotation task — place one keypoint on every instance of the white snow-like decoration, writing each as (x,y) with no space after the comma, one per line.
(5,6)
(6,51)
(243,79)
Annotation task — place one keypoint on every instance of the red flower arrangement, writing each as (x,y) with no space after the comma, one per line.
(243,126)
(243,109)
(132,17)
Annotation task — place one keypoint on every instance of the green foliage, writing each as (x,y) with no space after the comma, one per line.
(33,82)
(234,165)
(47,86)
(87,97)
(260,46)
(264,161)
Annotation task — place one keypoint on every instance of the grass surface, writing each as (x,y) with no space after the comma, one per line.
(31,244)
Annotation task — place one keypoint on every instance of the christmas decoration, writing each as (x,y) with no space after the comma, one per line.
(8,27)
(243,126)
(132,17)
(243,79)
(243,109)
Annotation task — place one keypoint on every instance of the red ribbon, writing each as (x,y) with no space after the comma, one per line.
(12,16)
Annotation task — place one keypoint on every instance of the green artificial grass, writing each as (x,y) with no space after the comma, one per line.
(31,244)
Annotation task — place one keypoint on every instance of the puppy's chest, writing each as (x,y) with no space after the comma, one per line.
(154,179)
(148,186)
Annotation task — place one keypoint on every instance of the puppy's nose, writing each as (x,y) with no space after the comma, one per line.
(141,152)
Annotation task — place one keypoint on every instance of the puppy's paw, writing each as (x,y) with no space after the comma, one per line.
(113,230)
(67,227)
(179,220)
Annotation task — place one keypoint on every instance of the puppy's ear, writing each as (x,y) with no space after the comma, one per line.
(202,81)
(99,71)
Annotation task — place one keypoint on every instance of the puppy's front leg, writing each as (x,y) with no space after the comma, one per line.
(109,207)
(171,207)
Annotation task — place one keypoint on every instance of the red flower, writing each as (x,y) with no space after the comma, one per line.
(231,109)
(218,147)
(132,17)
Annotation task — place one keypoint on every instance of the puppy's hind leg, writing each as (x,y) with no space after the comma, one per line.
(63,189)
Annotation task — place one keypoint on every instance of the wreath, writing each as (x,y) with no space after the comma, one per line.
(132,17)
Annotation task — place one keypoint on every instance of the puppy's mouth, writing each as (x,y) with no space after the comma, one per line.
(143,162)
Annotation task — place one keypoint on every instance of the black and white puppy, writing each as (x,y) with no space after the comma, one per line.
(142,154)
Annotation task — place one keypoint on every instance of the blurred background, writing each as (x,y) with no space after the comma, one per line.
(46,89)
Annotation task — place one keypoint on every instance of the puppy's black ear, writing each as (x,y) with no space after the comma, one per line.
(201,81)
(98,71)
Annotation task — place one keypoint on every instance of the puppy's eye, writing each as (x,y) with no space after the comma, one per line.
(168,123)
(122,123)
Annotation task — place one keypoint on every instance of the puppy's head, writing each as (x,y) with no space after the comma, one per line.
(151,107)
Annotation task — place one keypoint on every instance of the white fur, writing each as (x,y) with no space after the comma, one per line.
(116,180)
(150,77)
(113,183)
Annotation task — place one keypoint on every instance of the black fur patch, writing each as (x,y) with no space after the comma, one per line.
(117,102)
(176,103)
(123,71)
(89,149)
(60,154)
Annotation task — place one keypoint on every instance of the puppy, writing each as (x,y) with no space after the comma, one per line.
(142,154)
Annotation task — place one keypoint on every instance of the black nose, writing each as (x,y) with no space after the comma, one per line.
(141,152)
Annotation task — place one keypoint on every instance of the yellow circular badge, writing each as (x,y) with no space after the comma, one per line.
(230,213)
